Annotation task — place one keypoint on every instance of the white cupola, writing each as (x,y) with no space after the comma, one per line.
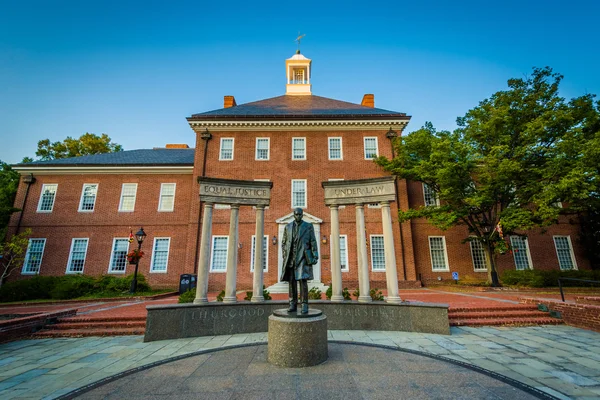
(298,75)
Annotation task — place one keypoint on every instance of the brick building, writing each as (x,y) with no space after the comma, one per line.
(82,209)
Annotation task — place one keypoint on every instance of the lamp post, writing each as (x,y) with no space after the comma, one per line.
(140,236)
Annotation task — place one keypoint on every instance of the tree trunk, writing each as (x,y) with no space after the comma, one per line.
(490,261)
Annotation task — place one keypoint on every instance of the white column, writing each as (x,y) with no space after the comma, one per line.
(361,252)
(257,291)
(202,282)
(232,251)
(336,267)
(390,255)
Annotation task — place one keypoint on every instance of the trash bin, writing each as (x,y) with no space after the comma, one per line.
(187,282)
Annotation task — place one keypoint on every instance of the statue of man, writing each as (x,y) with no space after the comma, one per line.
(299,247)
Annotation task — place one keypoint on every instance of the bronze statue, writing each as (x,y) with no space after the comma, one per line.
(299,247)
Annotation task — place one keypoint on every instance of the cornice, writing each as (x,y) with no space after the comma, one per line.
(306,125)
(103,170)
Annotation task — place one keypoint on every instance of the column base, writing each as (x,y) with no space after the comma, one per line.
(393,300)
(202,300)
(229,299)
(257,299)
(337,298)
(364,299)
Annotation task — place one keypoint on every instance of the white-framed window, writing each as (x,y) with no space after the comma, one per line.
(478,256)
(222,206)
(520,249)
(430,196)
(47,196)
(88,197)
(298,148)
(335,148)
(377,253)
(226,151)
(218,254)
(128,194)
(33,257)
(160,254)
(265,253)
(118,257)
(439,256)
(77,255)
(564,252)
(262,148)
(371,149)
(167,197)
(343,251)
(299,193)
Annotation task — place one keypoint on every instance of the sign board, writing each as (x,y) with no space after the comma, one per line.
(231,191)
(361,191)
(455,276)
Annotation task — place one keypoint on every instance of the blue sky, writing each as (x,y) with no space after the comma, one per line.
(135,70)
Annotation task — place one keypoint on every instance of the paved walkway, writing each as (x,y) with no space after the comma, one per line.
(559,360)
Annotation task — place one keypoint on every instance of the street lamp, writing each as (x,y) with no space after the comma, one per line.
(140,236)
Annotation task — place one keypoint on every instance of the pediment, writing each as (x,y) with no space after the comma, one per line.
(311,219)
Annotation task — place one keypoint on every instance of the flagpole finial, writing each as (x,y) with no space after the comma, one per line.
(298,39)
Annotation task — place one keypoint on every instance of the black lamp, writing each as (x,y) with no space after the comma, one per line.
(274,240)
(140,236)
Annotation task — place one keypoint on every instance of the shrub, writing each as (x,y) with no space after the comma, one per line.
(376,295)
(356,293)
(540,278)
(72,286)
(314,294)
(328,292)
(346,294)
(38,287)
(221,295)
(187,297)
(266,294)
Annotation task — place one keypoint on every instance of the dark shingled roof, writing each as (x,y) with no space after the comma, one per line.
(150,157)
(298,107)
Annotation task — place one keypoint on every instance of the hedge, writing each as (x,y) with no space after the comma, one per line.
(540,278)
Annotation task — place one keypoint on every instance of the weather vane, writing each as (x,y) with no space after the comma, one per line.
(298,39)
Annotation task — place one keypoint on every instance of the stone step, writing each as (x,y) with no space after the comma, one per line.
(89,332)
(101,319)
(516,307)
(97,325)
(506,321)
(498,314)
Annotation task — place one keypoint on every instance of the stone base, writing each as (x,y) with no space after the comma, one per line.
(297,342)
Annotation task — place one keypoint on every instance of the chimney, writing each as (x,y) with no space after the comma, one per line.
(229,101)
(368,100)
(177,146)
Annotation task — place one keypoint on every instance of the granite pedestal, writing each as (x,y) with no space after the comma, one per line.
(297,340)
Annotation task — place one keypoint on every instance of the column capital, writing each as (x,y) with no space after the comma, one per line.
(334,207)
(359,205)
(234,206)
(260,207)
(384,203)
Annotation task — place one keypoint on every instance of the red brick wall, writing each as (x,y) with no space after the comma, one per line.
(580,315)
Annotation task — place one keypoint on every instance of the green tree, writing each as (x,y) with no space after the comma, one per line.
(9,181)
(87,144)
(504,167)
(13,253)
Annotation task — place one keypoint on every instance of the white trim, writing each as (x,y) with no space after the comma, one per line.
(573,259)
(473,258)
(268,149)
(365,147)
(304,155)
(433,193)
(342,124)
(447,269)
(329,149)
(134,196)
(112,255)
(160,196)
(347,269)
(87,242)
(305,193)
(42,197)
(527,251)
(212,253)
(371,252)
(27,255)
(103,170)
(221,149)
(252,248)
(81,198)
(160,271)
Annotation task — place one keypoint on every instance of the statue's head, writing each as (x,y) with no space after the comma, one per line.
(298,214)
